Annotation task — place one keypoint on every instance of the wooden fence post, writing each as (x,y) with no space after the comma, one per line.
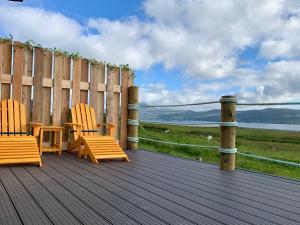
(133,117)
(228,132)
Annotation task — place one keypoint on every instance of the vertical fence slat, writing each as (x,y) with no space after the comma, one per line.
(26,90)
(109,97)
(38,85)
(116,102)
(46,115)
(97,96)
(124,107)
(5,67)
(65,96)
(17,71)
(57,88)
(84,78)
(76,81)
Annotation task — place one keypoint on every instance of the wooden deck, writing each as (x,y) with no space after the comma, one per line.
(150,189)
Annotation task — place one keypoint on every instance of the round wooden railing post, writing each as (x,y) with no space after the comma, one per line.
(228,132)
(133,118)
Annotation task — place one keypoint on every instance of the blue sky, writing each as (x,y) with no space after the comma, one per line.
(181,50)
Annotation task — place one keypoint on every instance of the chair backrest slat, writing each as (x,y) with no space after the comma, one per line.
(11,122)
(23,120)
(74,120)
(83,119)
(93,116)
(12,118)
(89,120)
(4,116)
(85,116)
(16,111)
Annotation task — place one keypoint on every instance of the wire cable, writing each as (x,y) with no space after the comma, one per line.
(217,147)
(206,124)
(179,105)
(178,144)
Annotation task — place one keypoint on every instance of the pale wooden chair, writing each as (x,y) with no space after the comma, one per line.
(86,138)
(16,146)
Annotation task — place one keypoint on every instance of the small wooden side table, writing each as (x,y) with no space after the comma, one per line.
(56,146)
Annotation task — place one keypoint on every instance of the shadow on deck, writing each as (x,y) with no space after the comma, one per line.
(151,189)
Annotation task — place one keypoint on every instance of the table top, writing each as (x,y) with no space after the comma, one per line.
(50,128)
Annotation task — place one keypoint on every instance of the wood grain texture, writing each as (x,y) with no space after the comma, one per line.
(37,109)
(124,108)
(97,97)
(46,105)
(26,89)
(76,81)
(18,71)
(65,96)
(5,66)
(133,98)
(57,97)
(116,103)
(109,97)
(84,78)
(228,134)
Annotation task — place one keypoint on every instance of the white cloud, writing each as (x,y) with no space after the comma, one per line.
(202,38)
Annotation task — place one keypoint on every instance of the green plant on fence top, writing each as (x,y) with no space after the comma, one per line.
(94,62)
(125,67)
(112,67)
(6,38)
(30,44)
(74,55)
(58,52)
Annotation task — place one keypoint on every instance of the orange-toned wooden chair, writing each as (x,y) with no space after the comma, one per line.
(16,146)
(86,139)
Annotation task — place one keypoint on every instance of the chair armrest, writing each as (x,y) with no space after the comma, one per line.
(34,124)
(78,127)
(111,128)
(105,124)
(36,128)
(72,124)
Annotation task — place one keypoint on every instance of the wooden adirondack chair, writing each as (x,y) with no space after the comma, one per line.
(15,144)
(86,139)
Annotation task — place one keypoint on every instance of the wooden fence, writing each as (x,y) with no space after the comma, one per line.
(49,84)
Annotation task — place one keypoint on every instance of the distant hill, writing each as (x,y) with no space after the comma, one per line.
(270,115)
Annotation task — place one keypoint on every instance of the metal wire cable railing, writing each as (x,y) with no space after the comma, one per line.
(210,124)
(202,124)
(214,102)
(214,147)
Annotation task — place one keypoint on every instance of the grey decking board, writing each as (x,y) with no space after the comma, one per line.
(233,177)
(53,208)
(233,191)
(234,213)
(154,177)
(8,214)
(117,181)
(88,198)
(253,214)
(118,202)
(225,186)
(212,168)
(79,209)
(159,211)
(28,210)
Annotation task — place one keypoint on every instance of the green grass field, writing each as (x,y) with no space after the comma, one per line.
(281,145)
